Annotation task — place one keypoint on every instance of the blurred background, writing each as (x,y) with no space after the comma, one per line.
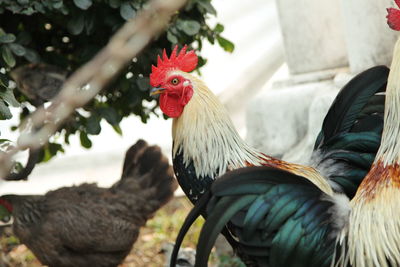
(288,63)
(258,54)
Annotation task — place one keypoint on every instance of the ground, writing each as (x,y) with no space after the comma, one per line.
(162,228)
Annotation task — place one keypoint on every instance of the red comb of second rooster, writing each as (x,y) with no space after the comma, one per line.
(183,61)
(393,17)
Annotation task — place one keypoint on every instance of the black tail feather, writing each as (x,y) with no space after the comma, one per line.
(190,219)
(351,132)
(349,103)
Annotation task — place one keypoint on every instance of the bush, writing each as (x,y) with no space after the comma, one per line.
(64,34)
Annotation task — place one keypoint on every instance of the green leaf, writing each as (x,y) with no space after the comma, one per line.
(171,37)
(64,10)
(143,83)
(7,38)
(5,113)
(8,56)
(8,96)
(225,44)
(3,80)
(127,11)
(83,4)
(110,115)
(75,26)
(136,4)
(85,141)
(207,6)
(57,4)
(89,23)
(211,39)
(17,49)
(24,38)
(117,129)
(93,125)
(173,30)
(23,2)
(190,27)
(28,11)
(31,55)
(45,154)
(189,6)
(15,8)
(39,7)
(219,28)
(115,3)
(54,148)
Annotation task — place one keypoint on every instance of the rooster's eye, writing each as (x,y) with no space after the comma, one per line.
(175,81)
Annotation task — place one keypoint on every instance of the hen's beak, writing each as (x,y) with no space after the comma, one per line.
(156,91)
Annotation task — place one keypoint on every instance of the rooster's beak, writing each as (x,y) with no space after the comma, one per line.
(156,91)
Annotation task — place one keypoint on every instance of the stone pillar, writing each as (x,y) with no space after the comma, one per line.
(319,36)
(312,34)
(369,39)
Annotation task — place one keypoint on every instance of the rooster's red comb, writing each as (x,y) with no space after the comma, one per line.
(393,17)
(183,61)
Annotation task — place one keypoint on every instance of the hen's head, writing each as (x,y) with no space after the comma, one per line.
(170,80)
(393,17)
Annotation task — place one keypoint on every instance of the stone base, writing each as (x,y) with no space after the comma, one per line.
(285,120)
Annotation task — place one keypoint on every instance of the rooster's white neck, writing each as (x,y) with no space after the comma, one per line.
(389,151)
(206,136)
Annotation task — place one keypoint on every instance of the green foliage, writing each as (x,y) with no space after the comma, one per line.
(67,34)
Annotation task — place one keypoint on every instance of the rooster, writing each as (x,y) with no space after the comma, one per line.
(90,226)
(279,218)
(206,144)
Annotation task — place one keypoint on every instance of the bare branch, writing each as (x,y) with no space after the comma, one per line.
(123,46)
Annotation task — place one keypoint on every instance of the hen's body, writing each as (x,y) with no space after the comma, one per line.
(90,226)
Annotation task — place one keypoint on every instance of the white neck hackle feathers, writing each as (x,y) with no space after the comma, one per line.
(205,134)
(389,151)
(373,232)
